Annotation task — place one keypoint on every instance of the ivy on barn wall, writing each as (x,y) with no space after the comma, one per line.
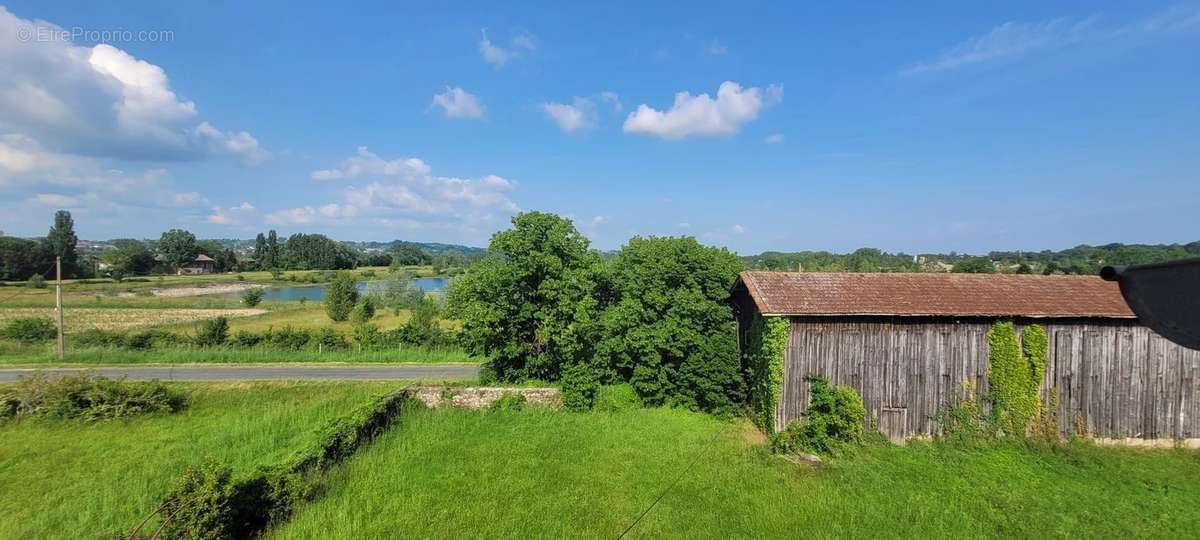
(1015,374)
(765,344)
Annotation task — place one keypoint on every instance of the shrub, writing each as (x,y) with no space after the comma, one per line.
(36,281)
(968,420)
(617,398)
(329,339)
(579,386)
(245,338)
(287,338)
(30,330)
(368,337)
(201,505)
(155,337)
(276,274)
(833,421)
(213,332)
(253,296)
(99,338)
(514,401)
(241,277)
(341,296)
(364,311)
(86,397)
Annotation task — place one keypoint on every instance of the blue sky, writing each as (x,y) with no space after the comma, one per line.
(1027,125)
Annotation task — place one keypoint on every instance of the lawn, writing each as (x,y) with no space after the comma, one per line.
(550,474)
(12,355)
(66,479)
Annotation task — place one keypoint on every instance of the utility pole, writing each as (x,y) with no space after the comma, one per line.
(58,304)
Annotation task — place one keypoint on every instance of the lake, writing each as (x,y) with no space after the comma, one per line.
(317,292)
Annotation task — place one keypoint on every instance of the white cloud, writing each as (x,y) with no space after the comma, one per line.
(580,116)
(234,215)
(738,229)
(774,138)
(499,56)
(366,163)
(458,103)
(98,102)
(239,145)
(683,225)
(54,199)
(599,220)
(702,115)
(611,97)
(403,193)
(716,48)
(1013,40)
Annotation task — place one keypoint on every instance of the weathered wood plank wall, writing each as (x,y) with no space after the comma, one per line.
(1111,379)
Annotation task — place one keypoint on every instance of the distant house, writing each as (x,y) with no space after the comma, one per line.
(912,343)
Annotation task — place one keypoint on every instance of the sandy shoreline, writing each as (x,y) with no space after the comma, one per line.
(174,292)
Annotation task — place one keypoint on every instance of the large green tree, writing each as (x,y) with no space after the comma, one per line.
(340,296)
(20,259)
(178,247)
(668,328)
(128,257)
(409,254)
(974,265)
(315,252)
(530,304)
(61,242)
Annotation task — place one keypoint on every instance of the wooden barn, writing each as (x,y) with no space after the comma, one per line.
(911,343)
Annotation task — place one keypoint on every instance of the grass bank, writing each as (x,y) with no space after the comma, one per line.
(448,473)
(44,355)
(71,480)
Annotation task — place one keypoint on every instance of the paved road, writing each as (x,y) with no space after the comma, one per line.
(262,373)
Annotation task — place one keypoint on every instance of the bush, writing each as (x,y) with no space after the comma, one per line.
(509,402)
(276,274)
(364,311)
(287,338)
(341,296)
(201,505)
(213,332)
(833,422)
(329,339)
(617,398)
(579,387)
(36,281)
(86,397)
(30,330)
(241,277)
(99,338)
(253,296)
(246,338)
(368,337)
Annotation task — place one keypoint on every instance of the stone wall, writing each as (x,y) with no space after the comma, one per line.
(478,397)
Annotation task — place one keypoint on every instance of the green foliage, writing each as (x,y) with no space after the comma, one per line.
(514,401)
(128,258)
(766,342)
(668,325)
(579,387)
(364,311)
(252,296)
(85,397)
(208,502)
(617,398)
(530,305)
(861,260)
(30,330)
(409,254)
(315,252)
(968,421)
(20,259)
(341,296)
(36,281)
(61,241)
(178,247)
(328,339)
(213,332)
(1015,375)
(833,422)
(974,265)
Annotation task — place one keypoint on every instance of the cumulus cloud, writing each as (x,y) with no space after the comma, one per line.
(738,229)
(499,56)
(54,199)
(1013,40)
(234,215)
(774,138)
(702,115)
(458,103)
(577,117)
(599,220)
(613,99)
(404,193)
(100,102)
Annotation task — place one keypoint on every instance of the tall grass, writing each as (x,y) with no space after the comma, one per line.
(66,479)
(549,474)
(15,355)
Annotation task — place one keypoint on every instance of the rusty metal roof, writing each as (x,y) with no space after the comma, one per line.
(961,295)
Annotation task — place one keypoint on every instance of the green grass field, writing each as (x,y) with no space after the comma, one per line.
(64,479)
(547,474)
(44,355)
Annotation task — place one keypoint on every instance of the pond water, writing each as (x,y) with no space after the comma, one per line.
(316,293)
